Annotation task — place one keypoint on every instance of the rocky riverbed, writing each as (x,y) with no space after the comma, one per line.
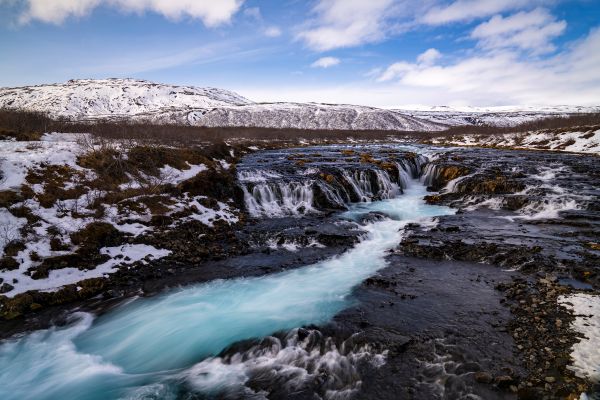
(469,305)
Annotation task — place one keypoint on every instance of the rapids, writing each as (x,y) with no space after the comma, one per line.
(163,346)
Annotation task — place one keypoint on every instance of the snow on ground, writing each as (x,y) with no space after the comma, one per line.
(130,253)
(89,98)
(575,141)
(207,216)
(126,254)
(586,353)
(175,176)
(495,116)
(140,100)
(68,216)
(17,157)
(167,174)
(9,227)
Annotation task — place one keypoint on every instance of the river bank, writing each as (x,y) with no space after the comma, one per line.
(455,309)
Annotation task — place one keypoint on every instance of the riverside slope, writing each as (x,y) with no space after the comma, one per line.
(144,101)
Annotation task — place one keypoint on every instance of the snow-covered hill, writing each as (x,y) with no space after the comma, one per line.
(138,100)
(495,116)
(142,100)
(114,98)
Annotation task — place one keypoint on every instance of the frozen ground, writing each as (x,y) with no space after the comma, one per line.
(581,141)
(66,217)
(586,354)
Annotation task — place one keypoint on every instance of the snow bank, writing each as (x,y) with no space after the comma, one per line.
(575,141)
(586,353)
(9,227)
(17,157)
(120,255)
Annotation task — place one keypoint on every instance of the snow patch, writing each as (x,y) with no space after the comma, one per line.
(585,353)
(16,158)
(126,254)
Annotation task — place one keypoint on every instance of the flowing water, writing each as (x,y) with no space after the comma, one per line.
(152,347)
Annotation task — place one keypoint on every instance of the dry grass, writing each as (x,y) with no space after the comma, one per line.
(22,124)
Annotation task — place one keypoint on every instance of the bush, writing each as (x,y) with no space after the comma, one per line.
(96,235)
(8,198)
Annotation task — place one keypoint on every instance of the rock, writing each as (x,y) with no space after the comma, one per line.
(483,377)
(6,287)
(503,381)
(550,379)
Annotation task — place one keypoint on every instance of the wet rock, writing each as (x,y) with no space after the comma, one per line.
(372,217)
(503,381)
(483,377)
(444,173)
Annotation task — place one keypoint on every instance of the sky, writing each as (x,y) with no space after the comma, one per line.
(383,53)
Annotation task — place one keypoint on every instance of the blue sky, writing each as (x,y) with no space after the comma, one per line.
(386,53)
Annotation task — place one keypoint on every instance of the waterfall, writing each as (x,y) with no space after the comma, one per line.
(430,174)
(274,199)
(387,188)
(276,193)
(359,183)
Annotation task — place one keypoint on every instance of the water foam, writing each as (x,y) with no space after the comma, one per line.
(143,349)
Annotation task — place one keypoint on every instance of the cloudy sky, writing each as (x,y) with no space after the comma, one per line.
(386,53)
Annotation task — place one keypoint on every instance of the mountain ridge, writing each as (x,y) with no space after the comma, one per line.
(145,101)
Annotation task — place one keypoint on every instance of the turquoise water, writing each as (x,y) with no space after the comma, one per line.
(145,348)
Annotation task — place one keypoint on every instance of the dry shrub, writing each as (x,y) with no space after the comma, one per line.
(8,198)
(23,125)
(54,179)
(22,122)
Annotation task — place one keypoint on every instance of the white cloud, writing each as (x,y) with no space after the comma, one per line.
(325,62)
(464,10)
(429,56)
(399,69)
(211,13)
(57,11)
(489,79)
(346,23)
(532,31)
(273,31)
(502,77)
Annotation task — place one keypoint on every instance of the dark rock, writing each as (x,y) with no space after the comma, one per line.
(483,377)
(6,287)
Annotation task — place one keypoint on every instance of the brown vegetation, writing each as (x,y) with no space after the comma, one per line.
(21,124)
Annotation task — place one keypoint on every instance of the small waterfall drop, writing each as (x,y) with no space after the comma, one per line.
(274,199)
(315,182)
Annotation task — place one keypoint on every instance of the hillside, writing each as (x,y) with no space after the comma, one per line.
(144,101)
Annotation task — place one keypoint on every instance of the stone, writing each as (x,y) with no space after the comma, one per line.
(483,377)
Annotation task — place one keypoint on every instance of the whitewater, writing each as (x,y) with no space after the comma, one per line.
(154,347)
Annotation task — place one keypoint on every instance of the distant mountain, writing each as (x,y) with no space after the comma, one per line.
(138,100)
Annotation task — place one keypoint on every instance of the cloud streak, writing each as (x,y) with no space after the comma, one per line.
(503,77)
(345,23)
(466,10)
(325,62)
(530,31)
(211,13)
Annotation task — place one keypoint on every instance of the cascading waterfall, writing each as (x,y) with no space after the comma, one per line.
(430,174)
(276,199)
(165,346)
(296,195)
(360,183)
